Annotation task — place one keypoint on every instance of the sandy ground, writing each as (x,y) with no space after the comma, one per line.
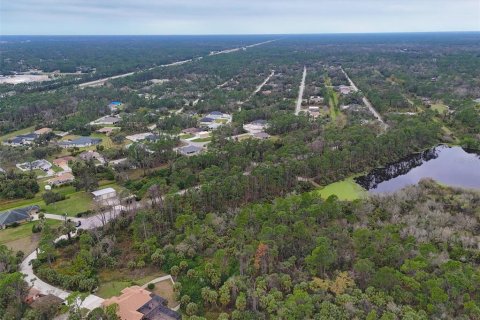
(16,79)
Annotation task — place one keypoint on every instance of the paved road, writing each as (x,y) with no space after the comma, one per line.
(99,82)
(300,92)
(366,101)
(90,303)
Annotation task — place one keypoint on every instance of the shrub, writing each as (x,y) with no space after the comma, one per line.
(151,286)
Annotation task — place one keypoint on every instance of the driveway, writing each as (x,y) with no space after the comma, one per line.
(90,303)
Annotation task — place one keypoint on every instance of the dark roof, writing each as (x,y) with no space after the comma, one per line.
(216,113)
(206,119)
(152,137)
(16,215)
(28,136)
(156,309)
(190,149)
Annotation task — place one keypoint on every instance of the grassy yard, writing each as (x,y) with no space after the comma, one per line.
(22,238)
(114,281)
(202,139)
(439,107)
(76,202)
(345,190)
(165,290)
(186,136)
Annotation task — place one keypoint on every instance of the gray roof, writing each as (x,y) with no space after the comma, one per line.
(81,141)
(190,149)
(16,215)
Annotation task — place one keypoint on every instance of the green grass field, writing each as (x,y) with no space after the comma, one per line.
(202,139)
(345,190)
(186,136)
(439,107)
(22,238)
(77,202)
(111,283)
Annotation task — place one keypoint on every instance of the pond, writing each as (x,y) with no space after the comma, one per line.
(453,166)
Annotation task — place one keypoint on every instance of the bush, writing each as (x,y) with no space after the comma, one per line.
(36,228)
(52,197)
(151,286)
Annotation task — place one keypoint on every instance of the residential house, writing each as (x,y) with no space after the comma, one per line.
(91,155)
(345,89)
(81,142)
(42,131)
(104,194)
(140,136)
(106,120)
(63,162)
(190,150)
(255,126)
(107,130)
(43,165)
(114,106)
(191,130)
(136,303)
(22,140)
(17,215)
(61,179)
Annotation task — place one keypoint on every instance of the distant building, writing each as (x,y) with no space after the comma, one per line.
(17,215)
(22,140)
(190,150)
(91,155)
(255,126)
(104,194)
(345,89)
(42,131)
(81,142)
(43,165)
(63,162)
(140,137)
(106,120)
(107,130)
(61,179)
(206,120)
(191,130)
(136,303)
(114,105)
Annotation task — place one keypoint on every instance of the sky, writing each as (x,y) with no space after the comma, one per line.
(146,17)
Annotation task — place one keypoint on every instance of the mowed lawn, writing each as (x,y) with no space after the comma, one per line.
(77,202)
(22,238)
(112,282)
(345,190)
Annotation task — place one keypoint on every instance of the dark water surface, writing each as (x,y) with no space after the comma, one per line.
(453,166)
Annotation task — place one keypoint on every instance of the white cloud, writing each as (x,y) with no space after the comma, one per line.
(235,16)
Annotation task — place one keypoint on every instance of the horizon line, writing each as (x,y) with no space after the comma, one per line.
(241,34)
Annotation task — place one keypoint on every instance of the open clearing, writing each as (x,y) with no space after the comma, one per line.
(22,238)
(345,190)
(112,283)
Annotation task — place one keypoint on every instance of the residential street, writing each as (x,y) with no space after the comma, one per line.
(300,92)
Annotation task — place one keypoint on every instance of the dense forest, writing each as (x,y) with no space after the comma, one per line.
(410,255)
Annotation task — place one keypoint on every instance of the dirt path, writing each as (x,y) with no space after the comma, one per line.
(257,90)
(366,101)
(300,92)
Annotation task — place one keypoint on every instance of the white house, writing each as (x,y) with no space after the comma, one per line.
(104,194)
